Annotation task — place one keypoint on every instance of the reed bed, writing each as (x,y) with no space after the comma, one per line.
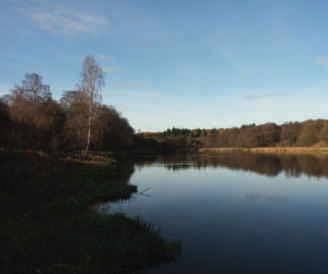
(291,150)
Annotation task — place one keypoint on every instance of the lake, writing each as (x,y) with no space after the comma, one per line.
(235,212)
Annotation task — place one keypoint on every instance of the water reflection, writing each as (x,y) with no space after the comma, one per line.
(315,165)
(231,220)
(125,169)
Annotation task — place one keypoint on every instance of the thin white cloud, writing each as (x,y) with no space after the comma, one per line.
(261,96)
(68,22)
(111,68)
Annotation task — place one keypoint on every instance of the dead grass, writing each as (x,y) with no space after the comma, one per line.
(273,150)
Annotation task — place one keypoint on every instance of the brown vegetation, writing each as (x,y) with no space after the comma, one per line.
(32,119)
(310,133)
(271,150)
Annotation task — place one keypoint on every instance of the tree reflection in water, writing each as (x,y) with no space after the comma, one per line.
(293,165)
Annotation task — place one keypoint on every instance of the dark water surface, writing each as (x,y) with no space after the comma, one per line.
(237,212)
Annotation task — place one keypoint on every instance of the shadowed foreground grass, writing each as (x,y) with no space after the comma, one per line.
(48,224)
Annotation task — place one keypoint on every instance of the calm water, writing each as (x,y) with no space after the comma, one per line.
(236,213)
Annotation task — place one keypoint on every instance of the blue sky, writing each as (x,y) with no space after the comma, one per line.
(176,63)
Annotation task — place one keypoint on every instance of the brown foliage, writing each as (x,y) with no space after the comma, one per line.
(31,119)
(109,131)
(75,105)
(310,133)
(303,134)
(289,133)
(34,112)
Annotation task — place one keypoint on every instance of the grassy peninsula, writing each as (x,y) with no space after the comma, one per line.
(49,225)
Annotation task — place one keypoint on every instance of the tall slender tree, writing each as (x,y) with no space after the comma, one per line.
(92,81)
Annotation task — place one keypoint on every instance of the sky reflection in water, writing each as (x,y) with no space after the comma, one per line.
(236,213)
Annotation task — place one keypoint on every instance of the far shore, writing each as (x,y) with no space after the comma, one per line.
(291,150)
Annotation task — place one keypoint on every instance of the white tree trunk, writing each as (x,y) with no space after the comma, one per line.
(89,127)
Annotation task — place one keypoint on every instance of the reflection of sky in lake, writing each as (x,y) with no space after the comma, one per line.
(234,221)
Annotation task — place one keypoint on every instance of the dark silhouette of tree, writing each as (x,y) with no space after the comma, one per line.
(75,105)
(112,131)
(5,123)
(247,125)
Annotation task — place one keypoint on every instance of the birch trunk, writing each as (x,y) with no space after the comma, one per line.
(89,130)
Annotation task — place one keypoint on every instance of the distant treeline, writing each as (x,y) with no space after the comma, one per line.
(307,133)
(197,132)
(31,119)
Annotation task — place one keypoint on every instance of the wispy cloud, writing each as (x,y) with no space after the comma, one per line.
(261,96)
(111,68)
(68,22)
(321,61)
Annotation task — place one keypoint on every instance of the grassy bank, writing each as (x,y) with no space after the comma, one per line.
(48,224)
(291,150)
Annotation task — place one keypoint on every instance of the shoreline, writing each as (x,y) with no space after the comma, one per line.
(47,208)
(273,150)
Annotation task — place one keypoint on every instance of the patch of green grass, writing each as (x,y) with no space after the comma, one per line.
(319,150)
(49,226)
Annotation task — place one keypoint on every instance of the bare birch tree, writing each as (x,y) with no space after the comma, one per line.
(91,84)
